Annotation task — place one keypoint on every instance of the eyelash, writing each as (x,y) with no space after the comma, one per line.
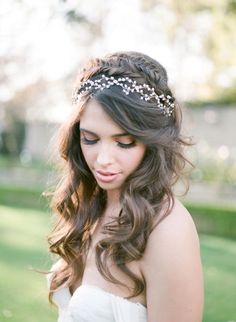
(121,145)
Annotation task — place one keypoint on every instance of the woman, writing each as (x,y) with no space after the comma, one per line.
(128,249)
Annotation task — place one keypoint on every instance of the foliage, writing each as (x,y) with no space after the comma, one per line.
(11,162)
(214,219)
(27,197)
(12,137)
(203,28)
(222,97)
(213,171)
(214,23)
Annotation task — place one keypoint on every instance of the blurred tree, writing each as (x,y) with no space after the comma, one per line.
(13,123)
(203,27)
(219,41)
(23,27)
(12,137)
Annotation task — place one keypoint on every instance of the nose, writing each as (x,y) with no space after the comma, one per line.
(105,155)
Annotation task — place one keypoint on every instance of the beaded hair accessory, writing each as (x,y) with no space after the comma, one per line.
(164,102)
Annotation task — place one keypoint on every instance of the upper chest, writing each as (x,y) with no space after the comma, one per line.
(93,276)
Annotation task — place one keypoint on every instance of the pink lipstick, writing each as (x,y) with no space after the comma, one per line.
(106,176)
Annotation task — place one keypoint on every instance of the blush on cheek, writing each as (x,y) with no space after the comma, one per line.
(89,157)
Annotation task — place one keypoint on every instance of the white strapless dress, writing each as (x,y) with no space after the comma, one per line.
(90,303)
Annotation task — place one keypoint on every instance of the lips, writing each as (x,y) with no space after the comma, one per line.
(106,176)
(106,173)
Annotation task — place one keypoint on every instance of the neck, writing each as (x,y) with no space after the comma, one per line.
(113,199)
(113,205)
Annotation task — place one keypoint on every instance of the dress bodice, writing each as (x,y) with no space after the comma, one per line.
(90,303)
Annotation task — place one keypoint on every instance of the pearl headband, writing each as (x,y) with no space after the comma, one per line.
(164,102)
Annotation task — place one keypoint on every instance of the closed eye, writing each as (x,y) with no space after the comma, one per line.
(126,145)
(90,141)
(87,141)
(84,140)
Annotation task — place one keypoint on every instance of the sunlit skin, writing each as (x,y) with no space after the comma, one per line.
(106,147)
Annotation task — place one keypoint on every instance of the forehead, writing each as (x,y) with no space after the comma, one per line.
(95,119)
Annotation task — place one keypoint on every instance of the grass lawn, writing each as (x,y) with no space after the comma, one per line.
(23,246)
(219,264)
(24,292)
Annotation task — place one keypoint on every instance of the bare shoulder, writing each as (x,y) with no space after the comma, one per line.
(172,269)
(175,232)
(178,223)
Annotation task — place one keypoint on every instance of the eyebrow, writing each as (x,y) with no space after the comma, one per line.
(114,135)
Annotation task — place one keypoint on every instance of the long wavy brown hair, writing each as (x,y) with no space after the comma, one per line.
(146,196)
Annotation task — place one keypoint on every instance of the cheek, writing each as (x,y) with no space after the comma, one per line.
(87,153)
(132,160)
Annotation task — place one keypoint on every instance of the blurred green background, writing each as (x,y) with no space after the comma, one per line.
(42,46)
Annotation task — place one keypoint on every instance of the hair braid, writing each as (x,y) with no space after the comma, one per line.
(144,67)
(132,64)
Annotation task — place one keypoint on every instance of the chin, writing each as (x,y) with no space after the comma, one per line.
(109,185)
